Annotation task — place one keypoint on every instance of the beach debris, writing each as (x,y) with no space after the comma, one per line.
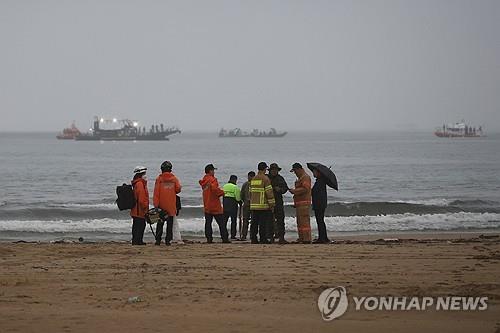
(80,239)
(488,236)
(391,240)
(61,241)
(134,299)
(40,267)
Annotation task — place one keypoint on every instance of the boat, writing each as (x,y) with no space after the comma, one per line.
(459,130)
(125,130)
(256,133)
(69,133)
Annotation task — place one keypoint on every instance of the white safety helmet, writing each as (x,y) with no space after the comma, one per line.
(139,169)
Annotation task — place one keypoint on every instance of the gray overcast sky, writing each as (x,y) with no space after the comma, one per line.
(202,65)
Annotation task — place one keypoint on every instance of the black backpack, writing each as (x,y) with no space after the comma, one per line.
(126,197)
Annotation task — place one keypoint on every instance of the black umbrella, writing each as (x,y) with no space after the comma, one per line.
(326,173)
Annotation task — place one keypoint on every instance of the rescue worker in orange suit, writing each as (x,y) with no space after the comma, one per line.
(167,186)
(302,202)
(211,204)
(261,205)
(138,212)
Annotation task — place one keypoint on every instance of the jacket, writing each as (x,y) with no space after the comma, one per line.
(141,194)
(245,194)
(319,195)
(261,193)
(211,195)
(166,187)
(232,198)
(278,182)
(302,195)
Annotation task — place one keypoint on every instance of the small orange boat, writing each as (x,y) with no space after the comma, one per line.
(69,133)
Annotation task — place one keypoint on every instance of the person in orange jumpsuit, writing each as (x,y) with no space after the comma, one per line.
(167,186)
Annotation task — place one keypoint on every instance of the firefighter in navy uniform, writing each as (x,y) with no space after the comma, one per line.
(280,187)
(245,199)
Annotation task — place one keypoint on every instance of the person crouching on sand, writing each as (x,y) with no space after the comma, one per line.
(138,212)
(211,204)
(167,186)
(302,202)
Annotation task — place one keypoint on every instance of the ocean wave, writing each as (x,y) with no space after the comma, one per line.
(89,211)
(441,202)
(382,223)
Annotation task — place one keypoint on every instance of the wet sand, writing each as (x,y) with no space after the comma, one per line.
(237,287)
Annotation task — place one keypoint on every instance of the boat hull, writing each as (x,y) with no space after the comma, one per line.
(452,135)
(254,136)
(125,138)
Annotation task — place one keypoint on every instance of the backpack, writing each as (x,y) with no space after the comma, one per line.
(126,197)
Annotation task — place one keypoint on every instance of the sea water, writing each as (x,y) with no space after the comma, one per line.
(388,182)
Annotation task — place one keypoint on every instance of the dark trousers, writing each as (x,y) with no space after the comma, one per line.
(319,213)
(159,229)
(234,221)
(219,218)
(246,221)
(138,225)
(279,222)
(261,224)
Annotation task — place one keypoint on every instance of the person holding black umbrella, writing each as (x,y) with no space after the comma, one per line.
(324,176)
(319,204)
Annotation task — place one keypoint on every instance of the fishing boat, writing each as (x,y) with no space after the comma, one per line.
(69,133)
(459,130)
(256,133)
(125,130)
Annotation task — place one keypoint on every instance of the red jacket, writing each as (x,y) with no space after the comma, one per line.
(166,187)
(142,198)
(211,195)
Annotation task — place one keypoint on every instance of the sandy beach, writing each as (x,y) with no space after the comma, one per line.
(237,287)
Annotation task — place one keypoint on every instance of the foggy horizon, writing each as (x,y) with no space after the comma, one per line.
(296,66)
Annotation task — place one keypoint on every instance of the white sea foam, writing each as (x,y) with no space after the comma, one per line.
(397,222)
(427,202)
(83,205)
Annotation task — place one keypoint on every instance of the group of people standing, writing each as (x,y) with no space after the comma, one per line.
(259,204)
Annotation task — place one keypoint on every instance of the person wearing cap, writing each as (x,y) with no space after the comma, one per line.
(261,204)
(138,212)
(211,204)
(302,202)
(167,186)
(245,199)
(280,187)
(231,203)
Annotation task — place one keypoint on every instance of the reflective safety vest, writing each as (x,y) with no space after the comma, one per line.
(261,193)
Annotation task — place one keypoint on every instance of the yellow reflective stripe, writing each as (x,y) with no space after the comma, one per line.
(256,182)
(257,190)
(258,206)
(269,187)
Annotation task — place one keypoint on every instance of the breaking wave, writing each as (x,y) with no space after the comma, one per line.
(100,211)
(195,226)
